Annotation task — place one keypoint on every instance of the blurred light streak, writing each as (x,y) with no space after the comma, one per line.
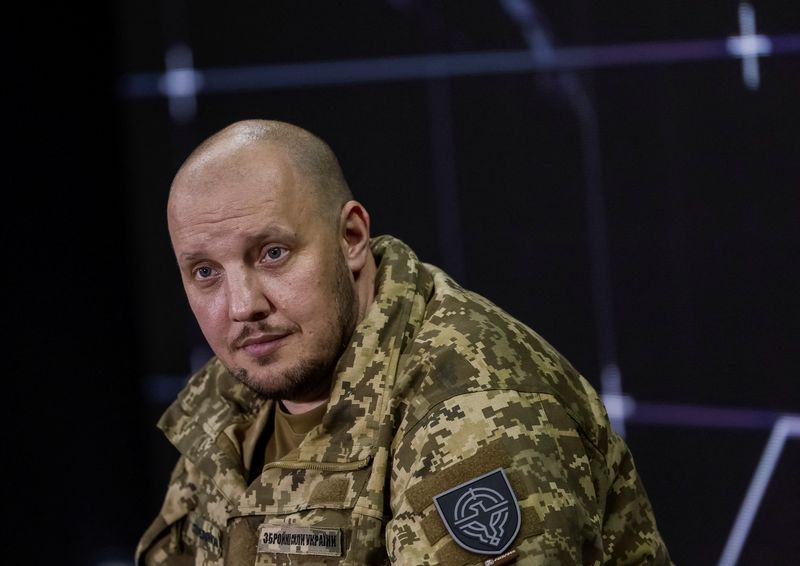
(701,416)
(619,406)
(573,88)
(785,427)
(180,83)
(353,71)
(749,46)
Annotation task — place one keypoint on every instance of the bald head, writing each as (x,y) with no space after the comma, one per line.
(310,155)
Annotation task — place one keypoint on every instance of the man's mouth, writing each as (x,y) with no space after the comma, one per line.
(260,345)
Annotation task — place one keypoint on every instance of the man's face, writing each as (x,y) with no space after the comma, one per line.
(263,270)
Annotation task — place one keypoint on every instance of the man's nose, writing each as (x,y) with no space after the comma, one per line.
(247,300)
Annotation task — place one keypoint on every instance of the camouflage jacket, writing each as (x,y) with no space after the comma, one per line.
(437,387)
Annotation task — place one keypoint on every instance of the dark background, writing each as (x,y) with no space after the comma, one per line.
(639,214)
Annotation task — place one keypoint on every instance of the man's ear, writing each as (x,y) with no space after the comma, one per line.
(354,224)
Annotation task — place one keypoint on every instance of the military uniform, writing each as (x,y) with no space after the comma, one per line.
(437,387)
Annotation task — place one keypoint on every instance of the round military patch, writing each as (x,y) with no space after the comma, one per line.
(482,514)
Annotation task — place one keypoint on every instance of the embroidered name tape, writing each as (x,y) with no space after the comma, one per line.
(292,539)
(199,532)
(482,515)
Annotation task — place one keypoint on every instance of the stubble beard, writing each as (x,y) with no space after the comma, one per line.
(310,378)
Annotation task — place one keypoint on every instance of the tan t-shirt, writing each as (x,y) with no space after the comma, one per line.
(289,430)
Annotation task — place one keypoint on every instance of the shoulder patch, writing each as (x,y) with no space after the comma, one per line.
(482,514)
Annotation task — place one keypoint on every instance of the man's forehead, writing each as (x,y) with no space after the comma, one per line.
(222,190)
(253,172)
(236,158)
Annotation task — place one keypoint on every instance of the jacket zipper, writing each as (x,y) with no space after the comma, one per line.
(321,466)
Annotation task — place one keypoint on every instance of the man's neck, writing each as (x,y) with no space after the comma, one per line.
(298,407)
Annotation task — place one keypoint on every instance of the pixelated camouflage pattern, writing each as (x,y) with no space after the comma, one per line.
(437,386)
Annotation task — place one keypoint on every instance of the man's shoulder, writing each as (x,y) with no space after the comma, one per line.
(467,344)
(486,345)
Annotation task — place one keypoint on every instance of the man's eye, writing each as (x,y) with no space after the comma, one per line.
(275,253)
(203,272)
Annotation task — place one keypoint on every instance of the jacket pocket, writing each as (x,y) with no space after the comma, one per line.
(297,515)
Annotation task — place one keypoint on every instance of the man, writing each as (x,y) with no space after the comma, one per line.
(362,407)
